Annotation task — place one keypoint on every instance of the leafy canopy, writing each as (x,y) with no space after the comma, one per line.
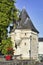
(8,14)
(6,44)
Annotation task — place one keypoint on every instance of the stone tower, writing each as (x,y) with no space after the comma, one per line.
(25,37)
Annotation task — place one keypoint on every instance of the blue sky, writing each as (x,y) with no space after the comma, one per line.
(34,9)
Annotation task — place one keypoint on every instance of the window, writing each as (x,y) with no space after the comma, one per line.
(25,43)
(25,33)
(16,45)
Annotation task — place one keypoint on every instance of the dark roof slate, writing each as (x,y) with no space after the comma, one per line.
(25,22)
(40,39)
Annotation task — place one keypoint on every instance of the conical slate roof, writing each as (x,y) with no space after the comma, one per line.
(25,22)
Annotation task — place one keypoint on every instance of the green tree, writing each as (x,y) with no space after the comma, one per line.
(8,14)
(6,44)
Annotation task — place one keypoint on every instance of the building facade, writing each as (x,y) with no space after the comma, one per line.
(25,37)
(40,46)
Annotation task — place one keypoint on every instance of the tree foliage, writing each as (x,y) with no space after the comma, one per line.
(8,14)
(5,44)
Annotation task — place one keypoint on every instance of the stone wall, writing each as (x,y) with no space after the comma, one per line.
(26,44)
(34,45)
(17,62)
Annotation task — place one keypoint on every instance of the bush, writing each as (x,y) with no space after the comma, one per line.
(5,45)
